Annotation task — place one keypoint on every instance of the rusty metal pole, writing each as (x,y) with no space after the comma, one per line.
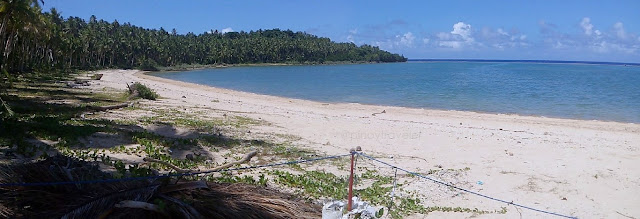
(350,198)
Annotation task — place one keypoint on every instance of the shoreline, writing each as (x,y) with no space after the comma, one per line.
(582,168)
(192,67)
(150,76)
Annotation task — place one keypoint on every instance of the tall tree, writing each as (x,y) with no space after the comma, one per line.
(16,15)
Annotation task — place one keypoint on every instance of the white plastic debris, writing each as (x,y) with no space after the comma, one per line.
(333,210)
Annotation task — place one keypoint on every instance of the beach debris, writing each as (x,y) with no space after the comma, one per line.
(184,97)
(508,153)
(96,76)
(77,82)
(333,210)
(480,182)
(360,209)
(245,159)
(383,111)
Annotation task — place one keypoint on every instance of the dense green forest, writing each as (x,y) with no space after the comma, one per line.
(37,40)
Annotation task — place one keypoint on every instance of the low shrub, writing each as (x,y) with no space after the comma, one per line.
(140,90)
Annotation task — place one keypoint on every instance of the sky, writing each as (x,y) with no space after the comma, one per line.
(584,30)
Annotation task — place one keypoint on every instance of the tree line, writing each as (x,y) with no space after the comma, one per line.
(35,40)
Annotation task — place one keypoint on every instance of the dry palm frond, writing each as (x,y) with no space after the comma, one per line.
(103,205)
(185,200)
(246,201)
(72,200)
(185,210)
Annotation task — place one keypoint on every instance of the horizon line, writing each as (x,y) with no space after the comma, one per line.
(527,60)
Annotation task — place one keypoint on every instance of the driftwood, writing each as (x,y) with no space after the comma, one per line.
(110,107)
(174,167)
(383,111)
(245,159)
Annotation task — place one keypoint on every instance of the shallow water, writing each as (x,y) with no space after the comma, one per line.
(577,91)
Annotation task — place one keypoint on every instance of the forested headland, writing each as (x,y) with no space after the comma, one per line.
(37,40)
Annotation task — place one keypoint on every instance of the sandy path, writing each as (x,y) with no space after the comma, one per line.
(588,169)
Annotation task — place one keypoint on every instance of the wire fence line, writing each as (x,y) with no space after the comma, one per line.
(463,189)
(31,184)
(167,175)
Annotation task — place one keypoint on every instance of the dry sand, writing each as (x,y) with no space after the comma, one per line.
(587,169)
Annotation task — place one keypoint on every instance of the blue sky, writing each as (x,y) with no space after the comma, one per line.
(606,30)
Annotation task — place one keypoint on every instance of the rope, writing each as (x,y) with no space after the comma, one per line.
(166,175)
(465,190)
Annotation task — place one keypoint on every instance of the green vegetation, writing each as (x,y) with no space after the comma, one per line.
(62,124)
(36,40)
(140,90)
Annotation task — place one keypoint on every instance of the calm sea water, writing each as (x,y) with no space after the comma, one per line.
(590,92)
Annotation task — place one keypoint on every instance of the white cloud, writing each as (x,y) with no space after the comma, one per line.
(460,36)
(398,42)
(350,37)
(226,30)
(462,29)
(502,32)
(407,39)
(451,44)
(619,29)
(592,41)
(500,38)
(586,25)
(443,36)
(426,40)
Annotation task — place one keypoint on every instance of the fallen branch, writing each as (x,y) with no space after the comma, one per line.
(383,111)
(245,159)
(117,106)
(174,167)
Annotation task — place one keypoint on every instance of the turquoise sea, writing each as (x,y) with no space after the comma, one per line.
(564,90)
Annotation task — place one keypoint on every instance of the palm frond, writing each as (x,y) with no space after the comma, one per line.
(5,108)
(102,205)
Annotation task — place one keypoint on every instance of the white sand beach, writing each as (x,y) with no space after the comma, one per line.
(586,169)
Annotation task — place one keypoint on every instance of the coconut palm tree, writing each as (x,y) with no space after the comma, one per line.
(15,14)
